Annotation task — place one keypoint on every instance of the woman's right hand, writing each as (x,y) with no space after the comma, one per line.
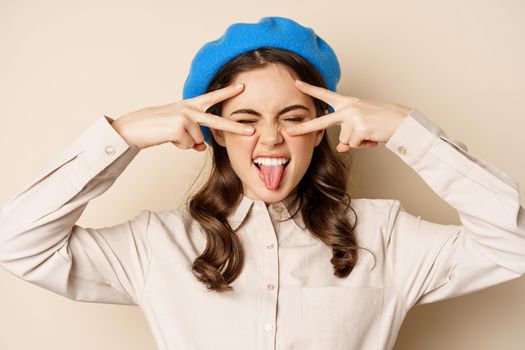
(178,122)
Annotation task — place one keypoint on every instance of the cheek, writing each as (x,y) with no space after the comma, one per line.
(302,143)
(236,141)
(302,148)
(239,149)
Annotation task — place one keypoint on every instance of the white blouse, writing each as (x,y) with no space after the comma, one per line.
(286,296)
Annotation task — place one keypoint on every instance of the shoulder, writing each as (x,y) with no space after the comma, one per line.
(374,216)
(174,228)
(178,221)
(172,216)
(374,208)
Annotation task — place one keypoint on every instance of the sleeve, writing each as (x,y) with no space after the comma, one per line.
(431,262)
(41,244)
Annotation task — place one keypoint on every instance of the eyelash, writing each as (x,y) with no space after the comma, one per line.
(295,119)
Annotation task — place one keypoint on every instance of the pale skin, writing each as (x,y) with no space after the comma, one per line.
(363,124)
(178,122)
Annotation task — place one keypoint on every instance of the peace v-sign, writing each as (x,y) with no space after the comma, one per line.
(364,123)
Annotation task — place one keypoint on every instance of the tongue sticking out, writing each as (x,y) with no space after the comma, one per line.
(271,175)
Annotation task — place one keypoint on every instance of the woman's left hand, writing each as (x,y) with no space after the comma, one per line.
(364,123)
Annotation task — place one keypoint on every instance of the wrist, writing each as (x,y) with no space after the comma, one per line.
(119,128)
(400,114)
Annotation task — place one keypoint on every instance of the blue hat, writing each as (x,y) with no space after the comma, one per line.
(277,32)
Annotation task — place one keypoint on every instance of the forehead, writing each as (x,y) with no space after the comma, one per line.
(267,90)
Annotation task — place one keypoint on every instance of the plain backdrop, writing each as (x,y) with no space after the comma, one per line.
(65,63)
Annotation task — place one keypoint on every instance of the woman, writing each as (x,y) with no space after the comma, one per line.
(271,252)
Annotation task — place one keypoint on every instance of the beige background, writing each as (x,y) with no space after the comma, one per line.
(65,63)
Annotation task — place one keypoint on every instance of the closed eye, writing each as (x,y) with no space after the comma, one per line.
(295,119)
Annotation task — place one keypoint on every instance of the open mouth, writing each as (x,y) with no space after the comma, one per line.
(259,165)
(271,160)
(273,172)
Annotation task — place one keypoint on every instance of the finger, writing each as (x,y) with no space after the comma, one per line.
(199,147)
(220,123)
(213,97)
(195,132)
(356,139)
(343,147)
(184,141)
(369,143)
(328,96)
(346,132)
(318,123)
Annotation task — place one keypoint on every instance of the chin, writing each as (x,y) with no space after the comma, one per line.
(269,196)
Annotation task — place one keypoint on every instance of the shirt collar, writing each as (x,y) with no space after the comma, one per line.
(242,210)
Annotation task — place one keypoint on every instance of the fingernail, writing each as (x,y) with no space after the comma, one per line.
(299,82)
(238,86)
(291,129)
(248,129)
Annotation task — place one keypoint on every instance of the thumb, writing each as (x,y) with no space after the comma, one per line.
(341,147)
(199,146)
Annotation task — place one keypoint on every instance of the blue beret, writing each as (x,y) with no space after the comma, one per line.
(277,32)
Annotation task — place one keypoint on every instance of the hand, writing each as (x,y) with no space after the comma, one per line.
(364,123)
(179,122)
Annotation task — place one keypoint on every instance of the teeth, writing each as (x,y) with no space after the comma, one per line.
(271,161)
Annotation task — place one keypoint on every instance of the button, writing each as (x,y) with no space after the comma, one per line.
(270,286)
(402,150)
(269,246)
(278,208)
(268,327)
(110,150)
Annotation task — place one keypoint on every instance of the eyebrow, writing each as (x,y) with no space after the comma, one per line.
(282,111)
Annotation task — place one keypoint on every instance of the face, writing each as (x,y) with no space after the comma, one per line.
(262,104)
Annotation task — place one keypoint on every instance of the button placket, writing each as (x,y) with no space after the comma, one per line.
(275,210)
(270,271)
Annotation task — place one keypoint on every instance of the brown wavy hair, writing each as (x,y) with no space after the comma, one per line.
(321,193)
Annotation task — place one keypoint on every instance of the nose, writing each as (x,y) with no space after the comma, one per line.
(270,134)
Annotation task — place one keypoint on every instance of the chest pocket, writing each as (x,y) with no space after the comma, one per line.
(340,318)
